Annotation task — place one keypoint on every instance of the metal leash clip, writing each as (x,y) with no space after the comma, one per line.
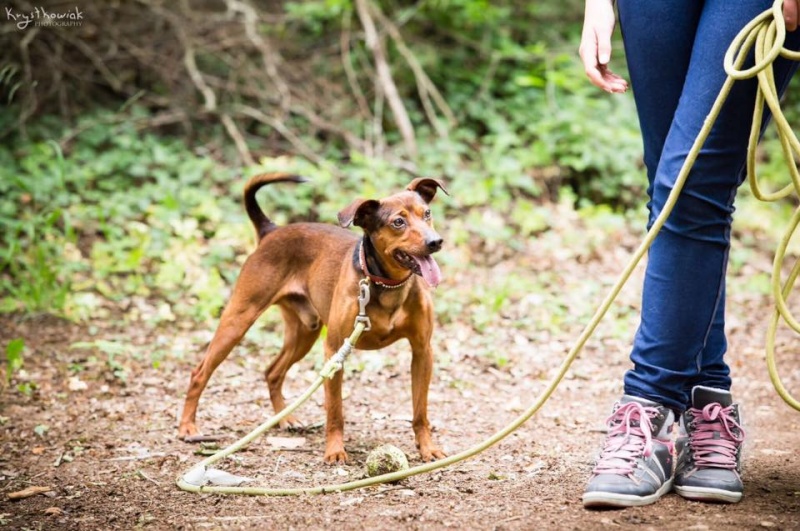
(363,300)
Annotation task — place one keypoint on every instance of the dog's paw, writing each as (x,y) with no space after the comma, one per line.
(187,429)
(431,453)
(292,423)
(335,456)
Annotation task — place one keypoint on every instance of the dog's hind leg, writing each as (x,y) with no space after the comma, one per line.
(300,333)
(237,318)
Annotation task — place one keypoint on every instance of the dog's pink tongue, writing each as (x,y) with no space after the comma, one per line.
(429,270)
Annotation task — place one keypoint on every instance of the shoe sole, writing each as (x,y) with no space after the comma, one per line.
(708,494)
(614,499)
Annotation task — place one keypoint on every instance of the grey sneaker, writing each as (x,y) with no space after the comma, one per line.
(709,448)
(635,465)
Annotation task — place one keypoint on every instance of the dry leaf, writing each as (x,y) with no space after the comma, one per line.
(200,476)
(37,450)
(53,511)
(286,442)
(76,384)
(27,493)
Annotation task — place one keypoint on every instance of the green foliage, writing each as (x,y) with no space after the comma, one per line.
(316,15)
(123,216)
(114,353)
(13,357)
(9,82)
(511,76)
(35,229)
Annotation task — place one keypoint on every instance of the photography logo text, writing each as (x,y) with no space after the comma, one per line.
(42,17)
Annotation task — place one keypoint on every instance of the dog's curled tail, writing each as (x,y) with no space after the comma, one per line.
(261,222)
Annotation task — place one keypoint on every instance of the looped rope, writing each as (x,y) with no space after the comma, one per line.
(766,33)
(766,36)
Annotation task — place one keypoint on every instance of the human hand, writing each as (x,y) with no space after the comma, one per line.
(791,14)
(595,50)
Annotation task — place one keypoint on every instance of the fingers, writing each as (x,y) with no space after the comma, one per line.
(791,14)
(595,57)
(611,81)
(603,48)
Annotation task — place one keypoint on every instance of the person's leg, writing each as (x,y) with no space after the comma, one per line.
(714,371)
(635,464)
(658,56)
(681,340)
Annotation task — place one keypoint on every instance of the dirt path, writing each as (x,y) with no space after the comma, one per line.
(110,456)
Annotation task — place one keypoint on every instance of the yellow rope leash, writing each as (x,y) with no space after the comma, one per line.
(769,36)
(766,34)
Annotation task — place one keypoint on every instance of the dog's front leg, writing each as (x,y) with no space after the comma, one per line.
(421,373)
(334,424)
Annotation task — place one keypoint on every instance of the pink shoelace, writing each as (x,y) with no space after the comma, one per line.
(715,436)
(629,438)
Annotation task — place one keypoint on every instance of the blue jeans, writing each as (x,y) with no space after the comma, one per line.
(675,50)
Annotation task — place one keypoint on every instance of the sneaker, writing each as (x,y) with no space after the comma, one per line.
(635,465)
(709,448)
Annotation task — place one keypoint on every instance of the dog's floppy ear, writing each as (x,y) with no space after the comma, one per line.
(426,188)
(360,213)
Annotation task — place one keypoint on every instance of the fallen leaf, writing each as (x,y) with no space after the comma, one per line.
(76,384)
(286,442)
(200,476)
(37,450)
(352,501)
(219,477)
(27,493)
(53,511)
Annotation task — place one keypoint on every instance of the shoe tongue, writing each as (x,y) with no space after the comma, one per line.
(667,415)
(429,269)
(703,396)
(626,399)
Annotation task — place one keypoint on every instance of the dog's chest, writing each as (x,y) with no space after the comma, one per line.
(389,316)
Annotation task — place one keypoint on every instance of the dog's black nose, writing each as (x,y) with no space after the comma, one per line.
(434,244)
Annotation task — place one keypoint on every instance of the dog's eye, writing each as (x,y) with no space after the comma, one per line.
(427,215)
(399,223)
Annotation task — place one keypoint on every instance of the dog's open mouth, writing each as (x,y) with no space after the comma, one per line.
(424,266)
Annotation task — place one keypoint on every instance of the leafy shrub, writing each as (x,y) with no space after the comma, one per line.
(115,217)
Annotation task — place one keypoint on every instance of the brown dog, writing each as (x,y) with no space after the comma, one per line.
(311,271)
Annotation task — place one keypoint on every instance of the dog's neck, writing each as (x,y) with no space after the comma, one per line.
(367,261)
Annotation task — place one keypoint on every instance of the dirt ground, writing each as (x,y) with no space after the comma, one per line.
(110,455)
